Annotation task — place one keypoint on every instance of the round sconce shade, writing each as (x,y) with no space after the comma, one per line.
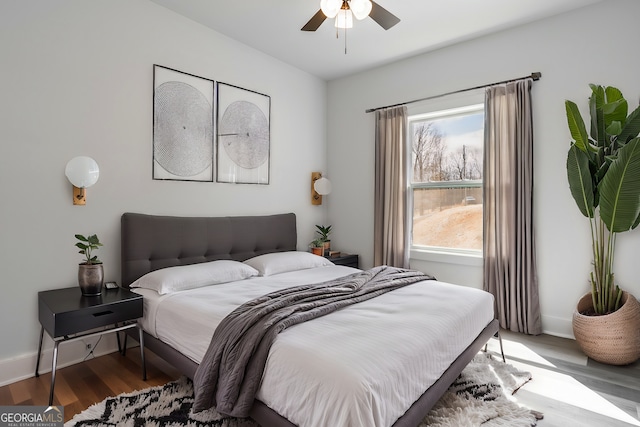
(82,171)
(322,186)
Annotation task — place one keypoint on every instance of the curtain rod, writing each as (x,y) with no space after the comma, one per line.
(535,76)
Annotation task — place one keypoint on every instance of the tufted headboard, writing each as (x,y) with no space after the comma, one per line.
(151,242)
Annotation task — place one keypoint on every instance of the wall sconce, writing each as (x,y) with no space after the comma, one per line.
(82,172)
(320,186)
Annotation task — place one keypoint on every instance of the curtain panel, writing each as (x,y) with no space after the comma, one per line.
(509,247)
(390,246)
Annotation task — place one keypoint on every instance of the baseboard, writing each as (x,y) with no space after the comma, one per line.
(557,326)
(23,367)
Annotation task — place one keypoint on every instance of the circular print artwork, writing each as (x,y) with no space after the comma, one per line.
(183,132)
(244,132)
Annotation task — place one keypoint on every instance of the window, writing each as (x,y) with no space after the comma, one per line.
(446,180)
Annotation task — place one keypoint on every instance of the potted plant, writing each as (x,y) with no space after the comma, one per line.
(603,170)
(323,232)
(90,271)
(317,247)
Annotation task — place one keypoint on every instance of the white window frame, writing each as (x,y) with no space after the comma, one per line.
(464,104)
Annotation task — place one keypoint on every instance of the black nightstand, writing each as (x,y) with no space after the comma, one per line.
(345,259)
(67,315)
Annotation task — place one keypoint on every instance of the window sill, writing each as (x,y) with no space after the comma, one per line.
(471,259)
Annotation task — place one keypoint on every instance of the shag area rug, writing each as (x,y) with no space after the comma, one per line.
(481,396)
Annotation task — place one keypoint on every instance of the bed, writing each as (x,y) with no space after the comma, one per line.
(155,243)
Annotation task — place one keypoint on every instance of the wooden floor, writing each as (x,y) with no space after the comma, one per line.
(80,386)
(567,388)
(570,389)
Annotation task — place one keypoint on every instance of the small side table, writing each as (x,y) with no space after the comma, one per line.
(67,315)
(350,260)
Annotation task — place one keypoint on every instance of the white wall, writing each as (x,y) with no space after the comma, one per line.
(76,79)
(596,44)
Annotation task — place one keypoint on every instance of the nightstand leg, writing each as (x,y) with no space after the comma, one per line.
(118,338)
(124,347)
(53,371)
(39,351)
(144,365)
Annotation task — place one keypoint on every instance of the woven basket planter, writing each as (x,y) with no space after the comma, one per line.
(611,338)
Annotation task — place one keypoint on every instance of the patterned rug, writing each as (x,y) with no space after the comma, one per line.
(481,396)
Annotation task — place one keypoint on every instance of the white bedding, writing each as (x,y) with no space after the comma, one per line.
(363,365)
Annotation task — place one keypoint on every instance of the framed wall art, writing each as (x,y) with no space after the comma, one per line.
(243,135)
(183,126)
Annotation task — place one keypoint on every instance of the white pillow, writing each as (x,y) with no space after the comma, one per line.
(281,262)
(183,277)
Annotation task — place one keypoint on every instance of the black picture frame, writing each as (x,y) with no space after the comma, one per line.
(243,135)
(183,126)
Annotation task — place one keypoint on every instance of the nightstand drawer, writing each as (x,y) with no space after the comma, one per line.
(65,312)
(348,260)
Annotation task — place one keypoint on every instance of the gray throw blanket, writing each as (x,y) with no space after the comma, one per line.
(229,375)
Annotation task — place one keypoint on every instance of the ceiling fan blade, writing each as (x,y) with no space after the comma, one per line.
(314,22)
(382,16)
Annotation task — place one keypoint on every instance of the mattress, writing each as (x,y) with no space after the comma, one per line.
(363,365)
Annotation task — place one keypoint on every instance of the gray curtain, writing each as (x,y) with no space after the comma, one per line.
(509,247)
(390,246)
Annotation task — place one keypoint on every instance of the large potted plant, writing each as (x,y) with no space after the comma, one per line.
(603,169)
(90,271)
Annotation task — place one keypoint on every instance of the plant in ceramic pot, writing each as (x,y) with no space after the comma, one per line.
(603,169)
(90,271)
(323,232)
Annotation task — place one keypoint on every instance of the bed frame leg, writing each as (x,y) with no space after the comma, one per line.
(501,348)
(497,335)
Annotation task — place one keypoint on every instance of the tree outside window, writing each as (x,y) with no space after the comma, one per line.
(446,179)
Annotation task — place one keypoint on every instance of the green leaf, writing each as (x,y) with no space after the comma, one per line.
(613,94)
(576,126)
(615,128)
(620,189)
(631,127)
(323,231)
(598,162)
(597,95)
(82,246)
(81,237)
(580,180)
(635,223)
(596,101)
(615,112)
(598,132)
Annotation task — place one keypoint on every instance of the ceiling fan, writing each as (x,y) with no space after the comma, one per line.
(344,10)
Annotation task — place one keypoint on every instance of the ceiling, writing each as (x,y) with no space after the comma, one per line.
(273,27)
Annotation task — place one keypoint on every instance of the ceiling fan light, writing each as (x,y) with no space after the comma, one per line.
(361,8)
(344,19)
(330,7)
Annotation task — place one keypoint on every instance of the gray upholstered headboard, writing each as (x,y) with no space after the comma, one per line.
(151,242)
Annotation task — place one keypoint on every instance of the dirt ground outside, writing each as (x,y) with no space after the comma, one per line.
(458,227)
